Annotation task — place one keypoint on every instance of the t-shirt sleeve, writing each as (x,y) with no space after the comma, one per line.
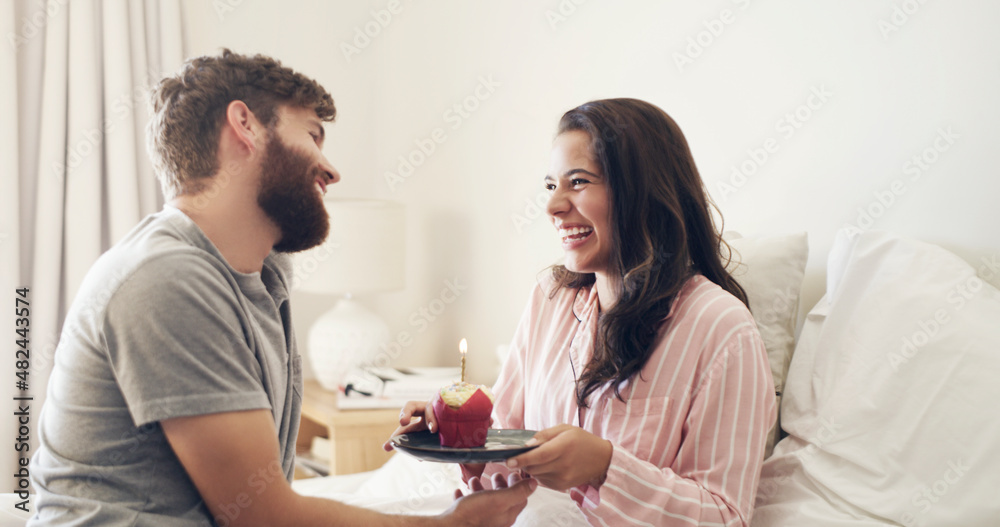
(179,343)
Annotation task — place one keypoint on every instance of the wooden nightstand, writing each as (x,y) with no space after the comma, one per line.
(356,436)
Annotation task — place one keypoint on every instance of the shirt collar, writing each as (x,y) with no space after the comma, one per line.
(586,298)
(585,302)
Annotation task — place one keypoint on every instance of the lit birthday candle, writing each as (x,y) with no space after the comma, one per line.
(463,348)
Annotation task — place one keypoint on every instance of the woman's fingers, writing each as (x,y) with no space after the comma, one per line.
(411,419)
(410,410)
(415,426)
(533,459)
(429,417)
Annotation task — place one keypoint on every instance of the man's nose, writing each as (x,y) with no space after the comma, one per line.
(330,171)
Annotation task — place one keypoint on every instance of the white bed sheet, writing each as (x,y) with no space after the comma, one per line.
(405,485)
(10,516)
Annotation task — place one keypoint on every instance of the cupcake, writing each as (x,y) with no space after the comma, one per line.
(463,414)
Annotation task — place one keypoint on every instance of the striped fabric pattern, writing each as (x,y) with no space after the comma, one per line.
(689,435)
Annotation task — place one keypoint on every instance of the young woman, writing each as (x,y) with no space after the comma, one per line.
(637,359)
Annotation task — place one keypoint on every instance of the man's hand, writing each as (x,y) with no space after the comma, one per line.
(497,482)
(567,457)
(472,470)
(490,507)
(232,458)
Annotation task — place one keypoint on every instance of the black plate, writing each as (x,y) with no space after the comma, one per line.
(500,445)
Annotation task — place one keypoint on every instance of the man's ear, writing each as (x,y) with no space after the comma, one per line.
(244,125)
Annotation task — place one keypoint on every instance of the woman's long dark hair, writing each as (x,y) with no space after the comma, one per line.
(663,232)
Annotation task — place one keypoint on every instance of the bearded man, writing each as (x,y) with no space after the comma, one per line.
(176,392)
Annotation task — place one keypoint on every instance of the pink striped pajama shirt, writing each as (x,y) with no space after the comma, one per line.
(688,438)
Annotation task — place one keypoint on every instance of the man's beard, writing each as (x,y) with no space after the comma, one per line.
(288,196)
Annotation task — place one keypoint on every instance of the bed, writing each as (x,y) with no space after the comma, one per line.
(886,397)
(889,399)
(405,485)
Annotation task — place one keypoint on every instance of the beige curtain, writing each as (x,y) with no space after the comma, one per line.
(74,78)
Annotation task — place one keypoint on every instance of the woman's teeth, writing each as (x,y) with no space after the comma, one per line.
(575,233)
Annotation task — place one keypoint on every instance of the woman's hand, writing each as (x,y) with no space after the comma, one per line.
(422,411)
(567,457)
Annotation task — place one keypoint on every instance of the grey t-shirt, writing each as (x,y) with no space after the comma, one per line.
(162,327)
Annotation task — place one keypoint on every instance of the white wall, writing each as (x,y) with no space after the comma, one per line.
(890,89)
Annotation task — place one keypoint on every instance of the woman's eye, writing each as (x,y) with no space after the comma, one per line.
(577,182)
(550,187)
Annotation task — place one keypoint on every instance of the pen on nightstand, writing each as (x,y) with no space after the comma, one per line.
(350,388)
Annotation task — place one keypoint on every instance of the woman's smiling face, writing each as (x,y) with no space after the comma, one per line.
(579,203)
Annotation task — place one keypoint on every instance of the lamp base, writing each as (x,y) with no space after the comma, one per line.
(345,337)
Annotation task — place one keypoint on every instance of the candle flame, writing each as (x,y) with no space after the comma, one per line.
(463,347)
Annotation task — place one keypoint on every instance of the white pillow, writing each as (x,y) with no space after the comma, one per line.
(771,269)
(889,401)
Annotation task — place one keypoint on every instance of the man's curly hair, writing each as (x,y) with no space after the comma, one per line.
(188,111)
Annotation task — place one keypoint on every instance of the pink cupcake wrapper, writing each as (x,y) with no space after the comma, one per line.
(466,426)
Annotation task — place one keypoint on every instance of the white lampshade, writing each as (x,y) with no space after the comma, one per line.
(364,252)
